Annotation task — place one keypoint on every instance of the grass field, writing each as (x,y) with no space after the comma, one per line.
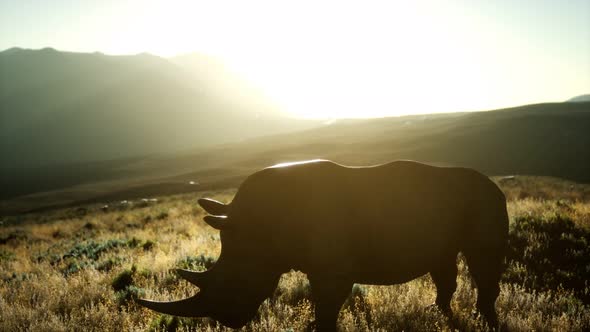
(80,268)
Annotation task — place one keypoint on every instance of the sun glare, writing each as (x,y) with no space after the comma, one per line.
(342,60)
(334,60)
(292,163)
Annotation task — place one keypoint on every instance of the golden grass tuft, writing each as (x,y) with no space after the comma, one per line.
(57,271)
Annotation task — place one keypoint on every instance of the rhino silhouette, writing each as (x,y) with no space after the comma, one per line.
(380,225)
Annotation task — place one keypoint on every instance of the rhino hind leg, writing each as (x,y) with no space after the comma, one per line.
(328,296)
(445,280)
(486,270)
(487,279)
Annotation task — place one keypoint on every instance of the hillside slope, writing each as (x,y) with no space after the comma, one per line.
(580,98)
(62,107)
(543,139)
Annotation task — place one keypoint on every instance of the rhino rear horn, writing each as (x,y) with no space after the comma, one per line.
(214,207)
(217,222)
(189,307)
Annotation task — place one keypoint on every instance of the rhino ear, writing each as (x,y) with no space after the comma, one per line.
(217,222)
(214,207)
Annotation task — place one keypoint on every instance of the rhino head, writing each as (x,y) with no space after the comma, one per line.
(241,279)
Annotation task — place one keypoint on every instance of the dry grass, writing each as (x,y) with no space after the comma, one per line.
(79,270)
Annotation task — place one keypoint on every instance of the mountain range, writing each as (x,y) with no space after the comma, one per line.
(62,107)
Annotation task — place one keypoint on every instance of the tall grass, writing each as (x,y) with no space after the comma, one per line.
(80,269)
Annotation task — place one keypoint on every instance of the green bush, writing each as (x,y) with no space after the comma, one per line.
(74,267)
(88,254)
(92,250)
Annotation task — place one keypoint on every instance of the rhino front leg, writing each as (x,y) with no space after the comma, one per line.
(328,296)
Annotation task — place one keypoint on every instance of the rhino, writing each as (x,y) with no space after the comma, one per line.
(379,225)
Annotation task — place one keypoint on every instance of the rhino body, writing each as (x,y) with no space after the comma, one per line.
(379,225)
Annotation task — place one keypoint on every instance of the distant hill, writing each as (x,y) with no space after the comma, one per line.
(59,108)
(543,139)
(581,98)
(214,76)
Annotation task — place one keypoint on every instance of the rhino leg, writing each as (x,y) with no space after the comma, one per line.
(328,296)
(486,269)
(488,289)
(445,280)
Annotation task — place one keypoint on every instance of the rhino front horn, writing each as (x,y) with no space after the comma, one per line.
(186,308)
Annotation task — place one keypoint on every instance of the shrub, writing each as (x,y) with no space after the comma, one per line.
(549,253)
(109,264)
(6,255)
(14,237)
(128,294)
(148,245)
(134,243)
(74,267)
(200,262)
(162,215)
(165,323)
(124,279)
(92,250)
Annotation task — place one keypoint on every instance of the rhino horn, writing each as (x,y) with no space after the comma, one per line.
(189,307)
(214,207)
(217,222)
(196,278)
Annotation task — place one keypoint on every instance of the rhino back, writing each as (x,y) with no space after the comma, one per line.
(363,222)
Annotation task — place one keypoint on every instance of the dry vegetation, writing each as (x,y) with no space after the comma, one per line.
(79,269)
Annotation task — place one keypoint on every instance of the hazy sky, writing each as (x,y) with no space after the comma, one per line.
(340,58)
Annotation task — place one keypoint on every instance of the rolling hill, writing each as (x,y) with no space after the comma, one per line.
(580,98)
(544,139)
(59,108)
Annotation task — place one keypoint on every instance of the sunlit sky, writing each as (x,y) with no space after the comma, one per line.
(340,58)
